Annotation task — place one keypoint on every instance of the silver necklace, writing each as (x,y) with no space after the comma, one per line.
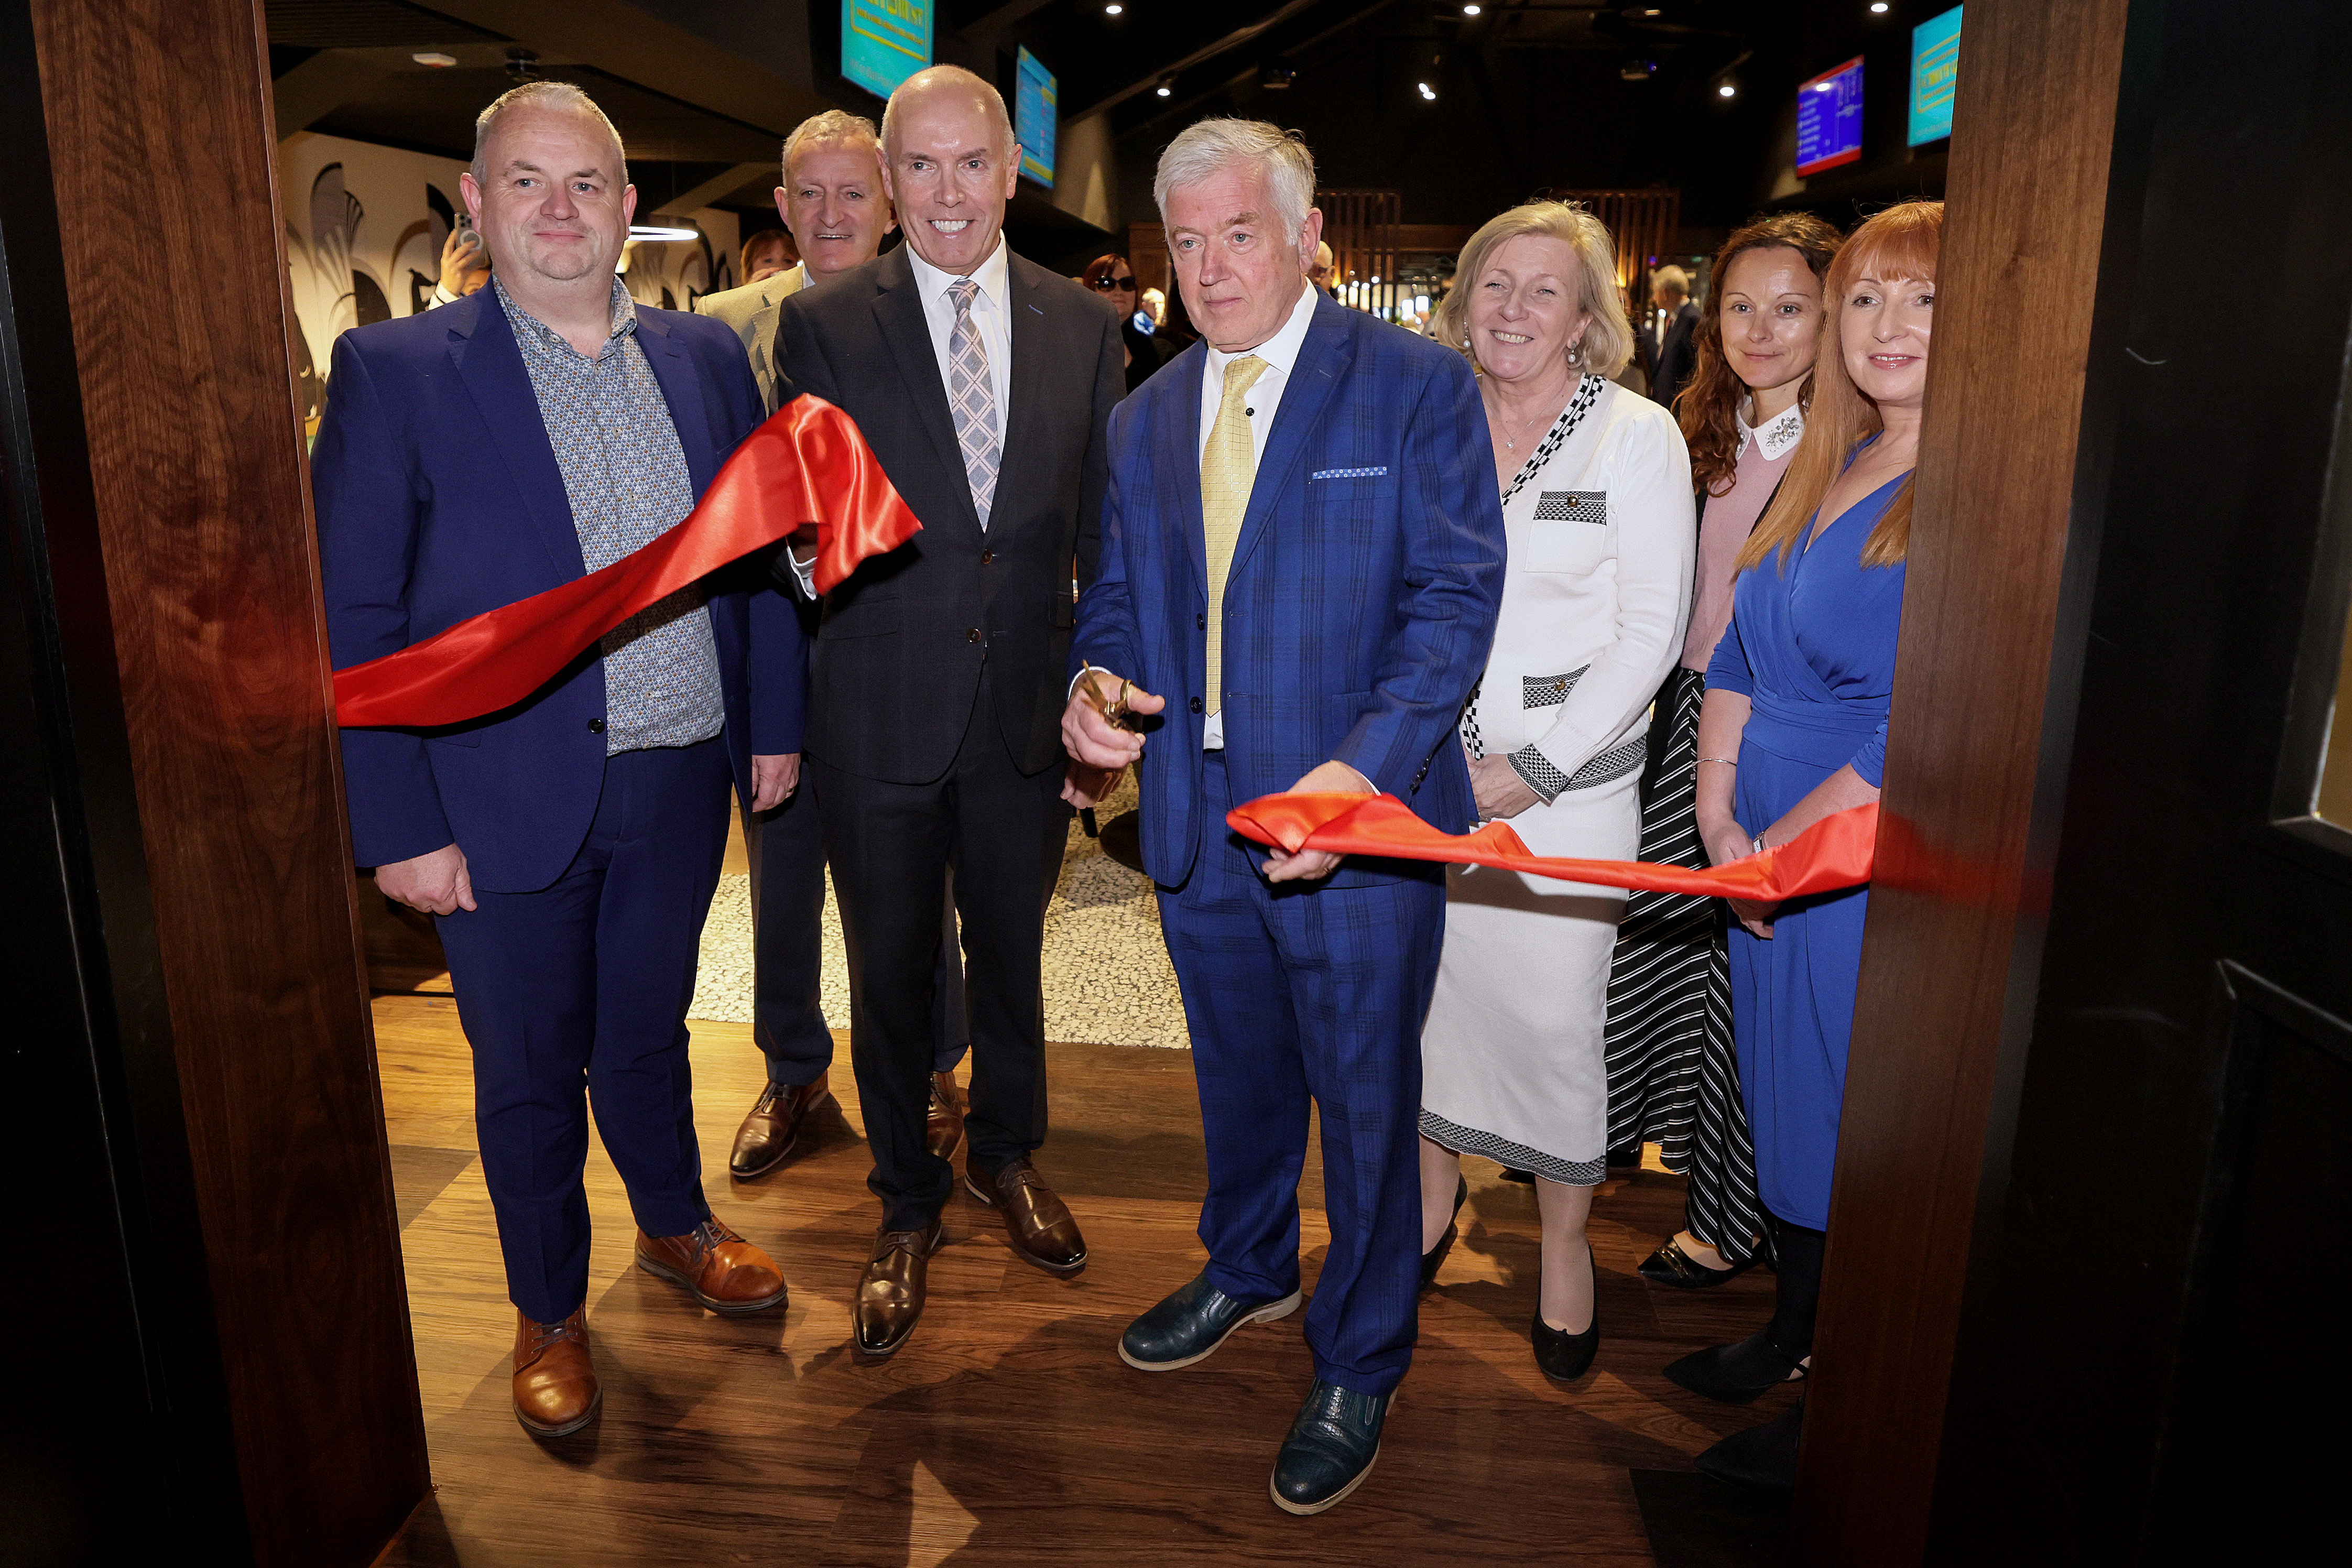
(1511,442)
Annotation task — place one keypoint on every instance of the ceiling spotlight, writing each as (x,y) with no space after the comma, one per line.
(1472,10)
(1878,7)
(434,57)
(1166,88)
(1113,10)
(1428,93)
(1648,13)
(1726,89)
(662,232)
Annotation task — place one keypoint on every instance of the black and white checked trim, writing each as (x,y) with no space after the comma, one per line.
(1588,392)
(1572,506)
(1535,770)
(1518,1156)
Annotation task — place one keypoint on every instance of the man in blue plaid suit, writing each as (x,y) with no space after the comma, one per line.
(1302,559)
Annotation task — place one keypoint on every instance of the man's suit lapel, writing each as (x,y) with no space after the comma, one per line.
(1323,358)
(482,346)
(1178,438)
(682,390)
(898,311)
(763,328)
(1025,323)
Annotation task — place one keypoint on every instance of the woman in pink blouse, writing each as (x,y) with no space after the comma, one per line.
(1673,1077)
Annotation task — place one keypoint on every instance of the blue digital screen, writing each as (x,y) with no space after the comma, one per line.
(1036,114)
(1829,119)
(884,42)
(1935,68)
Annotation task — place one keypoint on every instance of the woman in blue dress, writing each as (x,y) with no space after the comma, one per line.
(1793,729)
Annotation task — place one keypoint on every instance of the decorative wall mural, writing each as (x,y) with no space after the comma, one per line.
(365,227)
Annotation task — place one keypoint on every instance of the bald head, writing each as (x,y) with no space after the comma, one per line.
(950,164)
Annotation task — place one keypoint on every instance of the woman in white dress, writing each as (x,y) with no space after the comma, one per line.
(1597,501)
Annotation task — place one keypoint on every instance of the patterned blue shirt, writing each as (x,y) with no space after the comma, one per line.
(626,477)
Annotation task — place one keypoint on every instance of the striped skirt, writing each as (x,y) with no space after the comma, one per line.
(1674,1078)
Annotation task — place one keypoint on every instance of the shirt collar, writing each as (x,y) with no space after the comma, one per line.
(990,274)
(1779,436)
(624,314)
(1280,352)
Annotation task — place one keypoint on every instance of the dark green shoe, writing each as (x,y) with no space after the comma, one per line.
(1330,1448)
(1191,1323)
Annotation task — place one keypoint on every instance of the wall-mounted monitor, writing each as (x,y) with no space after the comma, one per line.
(1935,67)
(884,42)
(1829,119)
(1036,115)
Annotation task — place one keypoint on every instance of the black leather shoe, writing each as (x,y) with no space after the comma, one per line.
(1671,1266)
(1436,1254)
(1191,1323)
(1764,1458)
(1330,1448)
(1737,1375)
(1564,1357)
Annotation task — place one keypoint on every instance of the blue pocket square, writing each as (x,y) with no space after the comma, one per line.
(1349,474)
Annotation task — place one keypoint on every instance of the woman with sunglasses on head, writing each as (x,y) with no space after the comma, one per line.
(1792,730)
(1673,1077)
(1113,280)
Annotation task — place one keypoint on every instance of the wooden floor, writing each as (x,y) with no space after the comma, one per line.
(1008,1431)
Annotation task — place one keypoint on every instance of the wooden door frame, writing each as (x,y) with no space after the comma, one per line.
(196,678)
(1983,712)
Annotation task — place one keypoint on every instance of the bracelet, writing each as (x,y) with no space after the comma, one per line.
(1756,844)
(1727,762)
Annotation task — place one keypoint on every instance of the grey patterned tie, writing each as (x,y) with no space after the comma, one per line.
(972,396)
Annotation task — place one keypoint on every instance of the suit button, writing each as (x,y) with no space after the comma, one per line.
(972,636)
(1202,622)
(1196,705)
(988,557)
(595,726)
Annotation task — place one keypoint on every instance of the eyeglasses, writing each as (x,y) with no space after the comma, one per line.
(1107,284)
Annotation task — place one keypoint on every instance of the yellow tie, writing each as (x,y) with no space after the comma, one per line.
(1228,469)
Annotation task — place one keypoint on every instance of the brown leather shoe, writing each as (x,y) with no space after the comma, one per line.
(555,1389)
(716,1267)
(943,1127)
(769,1133)
(890,1296)
(1037,1223)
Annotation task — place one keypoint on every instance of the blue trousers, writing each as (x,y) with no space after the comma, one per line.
(1299,996)
(578,993)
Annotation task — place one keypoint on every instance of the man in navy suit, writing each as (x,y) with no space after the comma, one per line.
(1302,558)
(474,456)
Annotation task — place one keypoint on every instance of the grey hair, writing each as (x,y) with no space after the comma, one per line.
(990,98)
(1202,150)
(559,95)
(834,125)
(1673,279)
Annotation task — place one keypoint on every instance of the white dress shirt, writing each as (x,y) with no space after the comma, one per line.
(990,313)
(1280,352)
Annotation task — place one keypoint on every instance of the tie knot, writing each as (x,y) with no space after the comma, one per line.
(963,290)
(1242,374)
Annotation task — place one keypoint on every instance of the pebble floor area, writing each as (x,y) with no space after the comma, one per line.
(1107,979)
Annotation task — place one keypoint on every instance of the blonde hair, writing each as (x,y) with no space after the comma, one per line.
(1901,242)
(834,125)
(1607,341)
(560,97)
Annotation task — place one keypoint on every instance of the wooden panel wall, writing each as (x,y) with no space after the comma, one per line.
(1956,905)
(160,129)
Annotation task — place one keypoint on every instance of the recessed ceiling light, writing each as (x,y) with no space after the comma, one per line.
(1167,86)
(1428,92)
(662,232)
(1113,10)
(1726,91)
(1878,7)
(1472,10)
(432,58)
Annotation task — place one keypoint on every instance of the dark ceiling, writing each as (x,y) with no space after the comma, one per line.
(1529,95)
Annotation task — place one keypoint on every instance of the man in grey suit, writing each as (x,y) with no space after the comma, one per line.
(833,201)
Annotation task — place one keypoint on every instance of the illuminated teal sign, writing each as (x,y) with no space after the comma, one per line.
(884,42)
(1935,68)
(1036,114)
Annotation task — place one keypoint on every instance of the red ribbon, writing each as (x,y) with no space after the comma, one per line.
(807,464)
(1834,853)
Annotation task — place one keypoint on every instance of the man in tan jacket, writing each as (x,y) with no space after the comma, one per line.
(833,202)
